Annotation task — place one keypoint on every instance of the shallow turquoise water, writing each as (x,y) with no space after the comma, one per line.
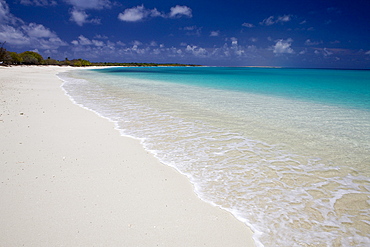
(287,151)
(349,88)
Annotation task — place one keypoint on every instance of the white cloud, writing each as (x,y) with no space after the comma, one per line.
(283,46)
(214,33)
(18,33)
(234,41)
(140,13)
(284,18)
(153,43)
(367,53)
(89,4)
(235,51)
(6,17)
(13,36)
(249,25)
(80,17)
(74,42)
(35,35)
(38,31)
(327,52)
(98,42)
(196,51)
(98,36)
(303,52)
(134,14)
(179,11)
(192,30)
(268,21)
(83,41)
(136,43)
(52,43)
(273,20)
(4,11)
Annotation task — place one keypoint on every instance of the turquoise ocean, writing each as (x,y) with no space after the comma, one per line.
(287,151)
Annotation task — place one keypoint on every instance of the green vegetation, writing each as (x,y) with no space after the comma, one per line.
(8,58)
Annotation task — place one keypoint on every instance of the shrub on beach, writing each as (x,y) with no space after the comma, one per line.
(31,57)
(15,58)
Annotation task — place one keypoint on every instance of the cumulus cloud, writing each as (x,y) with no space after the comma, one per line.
(98,36)
(153,43)
(78,13)
(284,18)
(274,20)
(268,21)
(89,4)
(80,17)
(133,14)
(214,33)
(196,51)
(249,25)
(136,43)
(192,30)
(179,11)
(283,46)
(303,52)
(13,36)
(234,41)
(140,13)
(83,41)
(38,31)
(18,33)
(35,35)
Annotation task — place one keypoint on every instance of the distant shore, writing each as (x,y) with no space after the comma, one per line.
(69,179)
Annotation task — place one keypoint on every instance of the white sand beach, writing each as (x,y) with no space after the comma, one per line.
(67,178)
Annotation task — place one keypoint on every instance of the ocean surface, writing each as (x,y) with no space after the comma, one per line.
(287,151)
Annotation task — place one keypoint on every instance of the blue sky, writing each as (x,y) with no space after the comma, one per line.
(305,33)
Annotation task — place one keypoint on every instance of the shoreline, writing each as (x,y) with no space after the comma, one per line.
(69,178)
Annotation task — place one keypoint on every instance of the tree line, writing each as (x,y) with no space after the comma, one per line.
(8,58)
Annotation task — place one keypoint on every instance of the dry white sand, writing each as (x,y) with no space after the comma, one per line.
(67,178)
